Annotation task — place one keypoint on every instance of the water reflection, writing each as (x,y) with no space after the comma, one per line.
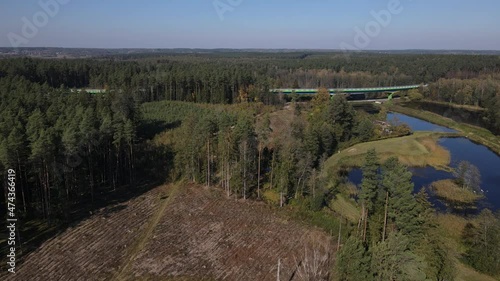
(488,163)
(417,124)
(461,149)
(422,177)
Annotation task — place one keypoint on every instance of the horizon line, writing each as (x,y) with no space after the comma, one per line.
(249,48)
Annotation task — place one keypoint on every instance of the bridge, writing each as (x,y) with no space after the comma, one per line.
(349,90)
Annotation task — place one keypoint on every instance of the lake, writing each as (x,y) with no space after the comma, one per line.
(461,149)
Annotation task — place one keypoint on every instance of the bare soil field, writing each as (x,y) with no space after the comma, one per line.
(93,249)
(183,232)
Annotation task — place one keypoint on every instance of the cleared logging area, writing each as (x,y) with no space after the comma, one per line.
(93,249)
(193,233)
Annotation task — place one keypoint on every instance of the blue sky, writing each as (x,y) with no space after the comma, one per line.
(321,24)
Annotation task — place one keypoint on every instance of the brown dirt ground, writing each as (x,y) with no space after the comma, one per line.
(94,248)
(199,234)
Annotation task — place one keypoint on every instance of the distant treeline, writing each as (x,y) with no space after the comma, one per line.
(227,77)
(482,91)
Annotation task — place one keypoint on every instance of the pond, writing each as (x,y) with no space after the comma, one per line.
(461,149)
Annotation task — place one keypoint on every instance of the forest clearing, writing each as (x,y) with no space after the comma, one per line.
(183,232)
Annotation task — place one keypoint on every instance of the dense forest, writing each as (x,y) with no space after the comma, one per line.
(65,146)
(210,119)
(232,77)
(219,78)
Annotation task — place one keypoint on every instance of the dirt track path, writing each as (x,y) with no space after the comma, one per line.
(167,195)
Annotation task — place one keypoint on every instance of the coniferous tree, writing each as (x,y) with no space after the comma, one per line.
(430,244)
(370,182)
(402,207)
(353,261)
(369,189)
(483,242)
(393,260)
(263,130)
(342,116)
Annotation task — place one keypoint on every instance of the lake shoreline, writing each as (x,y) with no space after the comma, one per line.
(476,134)
(422,153)
(420,149)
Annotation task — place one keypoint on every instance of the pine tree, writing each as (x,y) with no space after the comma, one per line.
(342,116)
(393,260)
(430,244)
(365,130)
(370,182)
(402,206)
(247,143)
(129,138)
(483,242)
(369,191)
(118,146)
(70,142)
(88,139)
(263,129)
(353,261)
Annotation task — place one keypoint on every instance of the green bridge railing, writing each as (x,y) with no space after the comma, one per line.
(348,90)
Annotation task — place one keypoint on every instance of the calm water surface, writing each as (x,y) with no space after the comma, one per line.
(417,124)
(461,149)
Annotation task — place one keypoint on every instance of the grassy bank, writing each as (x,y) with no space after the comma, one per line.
(452,105)
(474,133)
(418,150)
(450,192)
(346,208)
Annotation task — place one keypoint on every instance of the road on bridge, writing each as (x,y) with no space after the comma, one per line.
(349,90)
